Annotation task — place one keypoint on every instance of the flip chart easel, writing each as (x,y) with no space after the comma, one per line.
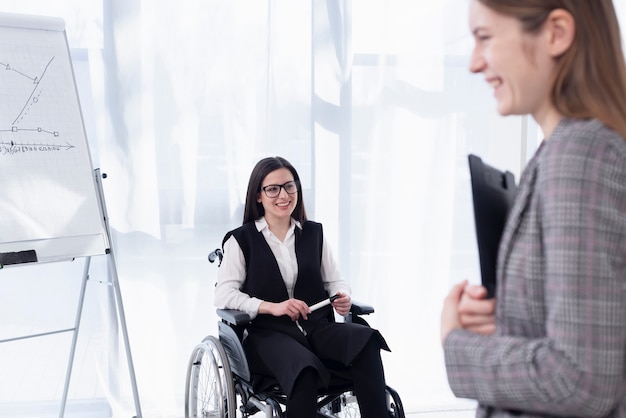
(52,206)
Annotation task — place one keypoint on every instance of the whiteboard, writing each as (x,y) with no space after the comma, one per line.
(50,200)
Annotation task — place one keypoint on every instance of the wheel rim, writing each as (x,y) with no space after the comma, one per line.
(209,390)
(348,407)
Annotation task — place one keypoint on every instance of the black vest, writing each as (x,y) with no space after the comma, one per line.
(264,281)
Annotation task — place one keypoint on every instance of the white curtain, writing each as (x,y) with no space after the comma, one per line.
(371,101)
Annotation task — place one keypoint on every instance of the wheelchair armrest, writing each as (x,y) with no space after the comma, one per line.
(361,308)
(233,316)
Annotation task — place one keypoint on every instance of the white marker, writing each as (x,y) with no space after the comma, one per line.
(323,303)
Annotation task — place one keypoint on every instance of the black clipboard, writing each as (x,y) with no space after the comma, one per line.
(493,192)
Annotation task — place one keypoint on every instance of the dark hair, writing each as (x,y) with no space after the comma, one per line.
(591,77)
(254,210)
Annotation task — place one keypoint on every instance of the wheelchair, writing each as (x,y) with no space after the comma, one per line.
(218,377)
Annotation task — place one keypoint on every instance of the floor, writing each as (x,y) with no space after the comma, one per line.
(443,414)
(102,410)
(452,413)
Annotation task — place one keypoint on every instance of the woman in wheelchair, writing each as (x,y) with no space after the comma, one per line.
(277,265)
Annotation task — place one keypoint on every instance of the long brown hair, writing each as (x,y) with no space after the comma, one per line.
(591,77)
(253,210)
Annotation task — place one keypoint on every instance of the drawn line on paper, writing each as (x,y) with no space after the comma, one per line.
(12,147)
(33,97)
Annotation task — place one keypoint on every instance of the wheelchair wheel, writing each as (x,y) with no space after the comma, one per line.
(343,406)
(209,391)
(394,404)
(346,406)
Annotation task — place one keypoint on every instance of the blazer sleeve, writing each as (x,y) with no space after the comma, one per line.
(575,367)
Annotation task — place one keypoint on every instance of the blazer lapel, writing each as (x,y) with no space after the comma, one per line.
(514,219)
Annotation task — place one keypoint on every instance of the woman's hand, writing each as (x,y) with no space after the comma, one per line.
(293,308)
(342,304)
(476,313)
(449,314)
(465,307)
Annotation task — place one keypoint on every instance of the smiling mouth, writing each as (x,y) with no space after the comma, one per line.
(283,204)
(495,83)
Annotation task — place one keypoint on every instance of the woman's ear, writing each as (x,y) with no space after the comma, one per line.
(560,28)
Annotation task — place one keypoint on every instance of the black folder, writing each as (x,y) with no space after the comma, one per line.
(493,192)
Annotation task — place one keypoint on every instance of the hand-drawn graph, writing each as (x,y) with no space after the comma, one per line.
(20,122)
(49,198)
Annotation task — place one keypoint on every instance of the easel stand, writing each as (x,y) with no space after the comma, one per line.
(122,319)
(112,268)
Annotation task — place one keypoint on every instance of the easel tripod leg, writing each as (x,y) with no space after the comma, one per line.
(122,319)
(79,312)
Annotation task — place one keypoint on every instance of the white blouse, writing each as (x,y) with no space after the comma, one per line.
(232,273)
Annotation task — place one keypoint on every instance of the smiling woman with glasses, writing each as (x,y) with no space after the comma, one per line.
(275,266)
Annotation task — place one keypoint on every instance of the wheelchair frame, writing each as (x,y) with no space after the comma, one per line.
(218,375)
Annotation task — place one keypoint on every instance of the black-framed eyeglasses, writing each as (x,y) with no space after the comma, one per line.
(273,190)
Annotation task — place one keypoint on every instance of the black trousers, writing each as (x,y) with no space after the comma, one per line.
(367,375)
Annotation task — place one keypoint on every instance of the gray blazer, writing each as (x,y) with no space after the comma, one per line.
(560,342)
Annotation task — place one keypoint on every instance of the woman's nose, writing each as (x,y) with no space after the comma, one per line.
(477,63)
(282,190)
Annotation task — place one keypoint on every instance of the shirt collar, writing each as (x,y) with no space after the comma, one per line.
(261,224)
